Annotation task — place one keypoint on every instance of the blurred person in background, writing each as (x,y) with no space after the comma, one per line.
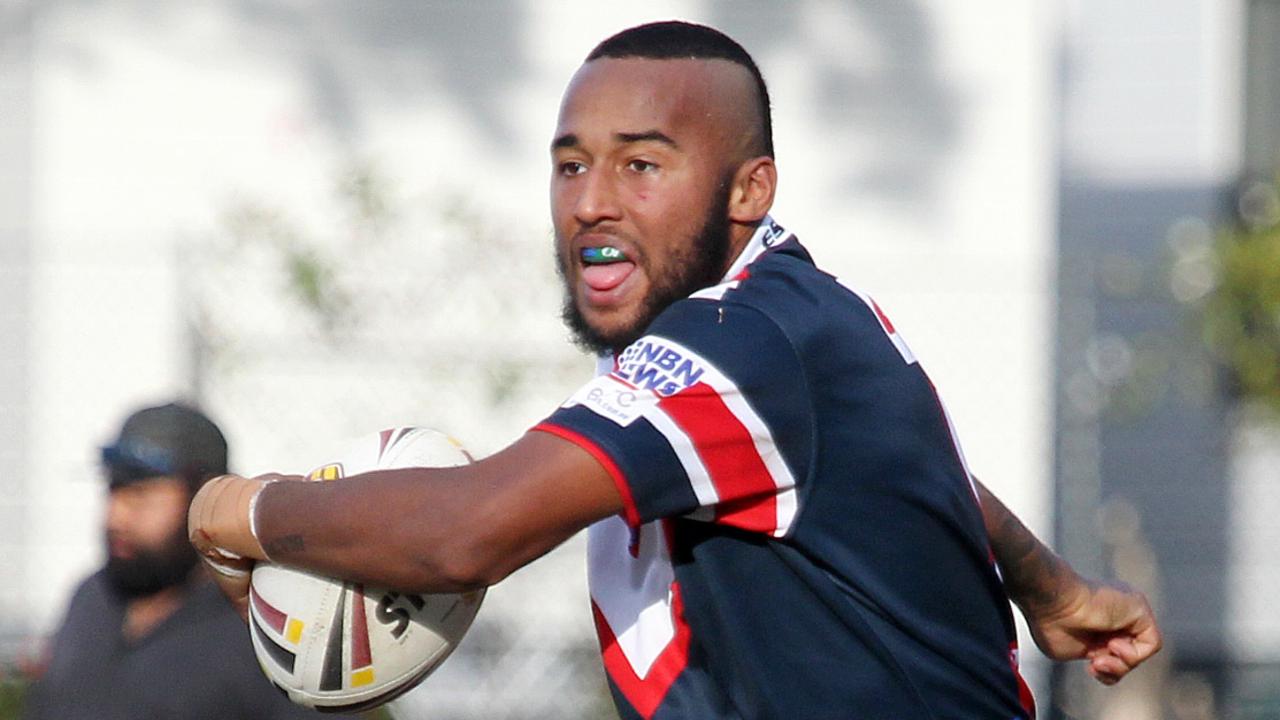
(148,635)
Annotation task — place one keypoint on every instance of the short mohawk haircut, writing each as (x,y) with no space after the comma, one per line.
(674,39)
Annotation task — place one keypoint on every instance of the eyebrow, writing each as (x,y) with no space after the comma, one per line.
(569,140)
(565,141)
(647,136)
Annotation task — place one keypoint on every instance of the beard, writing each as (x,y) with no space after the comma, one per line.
(701,265)
(151,570)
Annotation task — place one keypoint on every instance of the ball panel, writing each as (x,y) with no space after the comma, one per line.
(343,647)
(422,447)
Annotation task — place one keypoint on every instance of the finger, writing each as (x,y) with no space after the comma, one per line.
(239,600)
(1113,664)
(1148,641)
(1123,648)
(1104,678)
(273,477)
(1137,648)
(233,582)
(1108,669)
(200,514)
(203,544)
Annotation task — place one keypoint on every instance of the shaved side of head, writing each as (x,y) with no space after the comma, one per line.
(672,40)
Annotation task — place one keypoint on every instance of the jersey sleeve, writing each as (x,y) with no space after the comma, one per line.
(707,416)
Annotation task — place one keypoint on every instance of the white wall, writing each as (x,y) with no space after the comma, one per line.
(1123,124)
(15,144)
(915,148)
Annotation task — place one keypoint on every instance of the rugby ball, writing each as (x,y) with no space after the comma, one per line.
(344,647)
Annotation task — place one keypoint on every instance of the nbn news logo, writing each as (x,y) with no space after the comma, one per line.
(663,367)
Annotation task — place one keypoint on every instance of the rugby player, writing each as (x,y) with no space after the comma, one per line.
(781,522)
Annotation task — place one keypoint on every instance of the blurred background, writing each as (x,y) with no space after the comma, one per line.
(318,219)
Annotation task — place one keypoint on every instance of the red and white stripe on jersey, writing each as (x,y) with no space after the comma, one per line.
(910,358)
(716,292)
(638,615)
(1025,698)
(901,345)
(889,330)
(727,451)
(955,443)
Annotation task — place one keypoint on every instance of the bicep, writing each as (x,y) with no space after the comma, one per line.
(993,511)
(544,489)
(1009,537)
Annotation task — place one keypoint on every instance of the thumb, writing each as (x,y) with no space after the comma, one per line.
(232,575)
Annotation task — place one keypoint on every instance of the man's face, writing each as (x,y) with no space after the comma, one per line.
(642,161)
(147,547)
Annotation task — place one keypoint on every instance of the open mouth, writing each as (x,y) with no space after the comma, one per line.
(605,267)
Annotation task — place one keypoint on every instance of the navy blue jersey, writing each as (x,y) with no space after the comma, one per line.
(801,536)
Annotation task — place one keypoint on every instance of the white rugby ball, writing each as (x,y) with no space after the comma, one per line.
(343,647)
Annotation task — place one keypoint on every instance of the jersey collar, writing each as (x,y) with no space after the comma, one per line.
(768,234)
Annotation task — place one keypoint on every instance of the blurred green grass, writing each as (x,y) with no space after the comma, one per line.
(12,691)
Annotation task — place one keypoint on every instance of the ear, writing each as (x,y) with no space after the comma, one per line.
(751,195)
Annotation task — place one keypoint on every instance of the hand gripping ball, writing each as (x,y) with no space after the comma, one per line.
(344,647)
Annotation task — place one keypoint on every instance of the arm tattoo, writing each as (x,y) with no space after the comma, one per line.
(1034,576)
(283,546)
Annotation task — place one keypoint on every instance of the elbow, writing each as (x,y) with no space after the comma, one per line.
(459,566)
(470,546)
(471,571)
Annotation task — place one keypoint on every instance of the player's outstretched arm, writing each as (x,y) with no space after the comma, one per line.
(1109,624)
(417,530)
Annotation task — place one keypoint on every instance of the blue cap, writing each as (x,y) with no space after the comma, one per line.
(168,440)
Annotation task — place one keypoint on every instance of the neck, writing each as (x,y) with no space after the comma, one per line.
(143,614)
(739,235)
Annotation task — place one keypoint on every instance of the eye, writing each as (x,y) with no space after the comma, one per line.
(642,166)
(572,167)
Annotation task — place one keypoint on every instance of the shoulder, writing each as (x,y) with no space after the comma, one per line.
(93,585)
(93,594)
(803,301)
(697,334)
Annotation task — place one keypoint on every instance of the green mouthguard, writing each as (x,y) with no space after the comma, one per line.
(602,255)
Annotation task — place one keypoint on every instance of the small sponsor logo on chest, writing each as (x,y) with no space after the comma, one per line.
(610,400)
(652,365)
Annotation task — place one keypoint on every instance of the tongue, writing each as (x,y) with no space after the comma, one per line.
(606,277)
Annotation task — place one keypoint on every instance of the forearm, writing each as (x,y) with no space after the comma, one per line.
(438,529)
(1036,579)
(412,529)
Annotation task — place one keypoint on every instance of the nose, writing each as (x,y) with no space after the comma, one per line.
(117,513)
(598,199)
